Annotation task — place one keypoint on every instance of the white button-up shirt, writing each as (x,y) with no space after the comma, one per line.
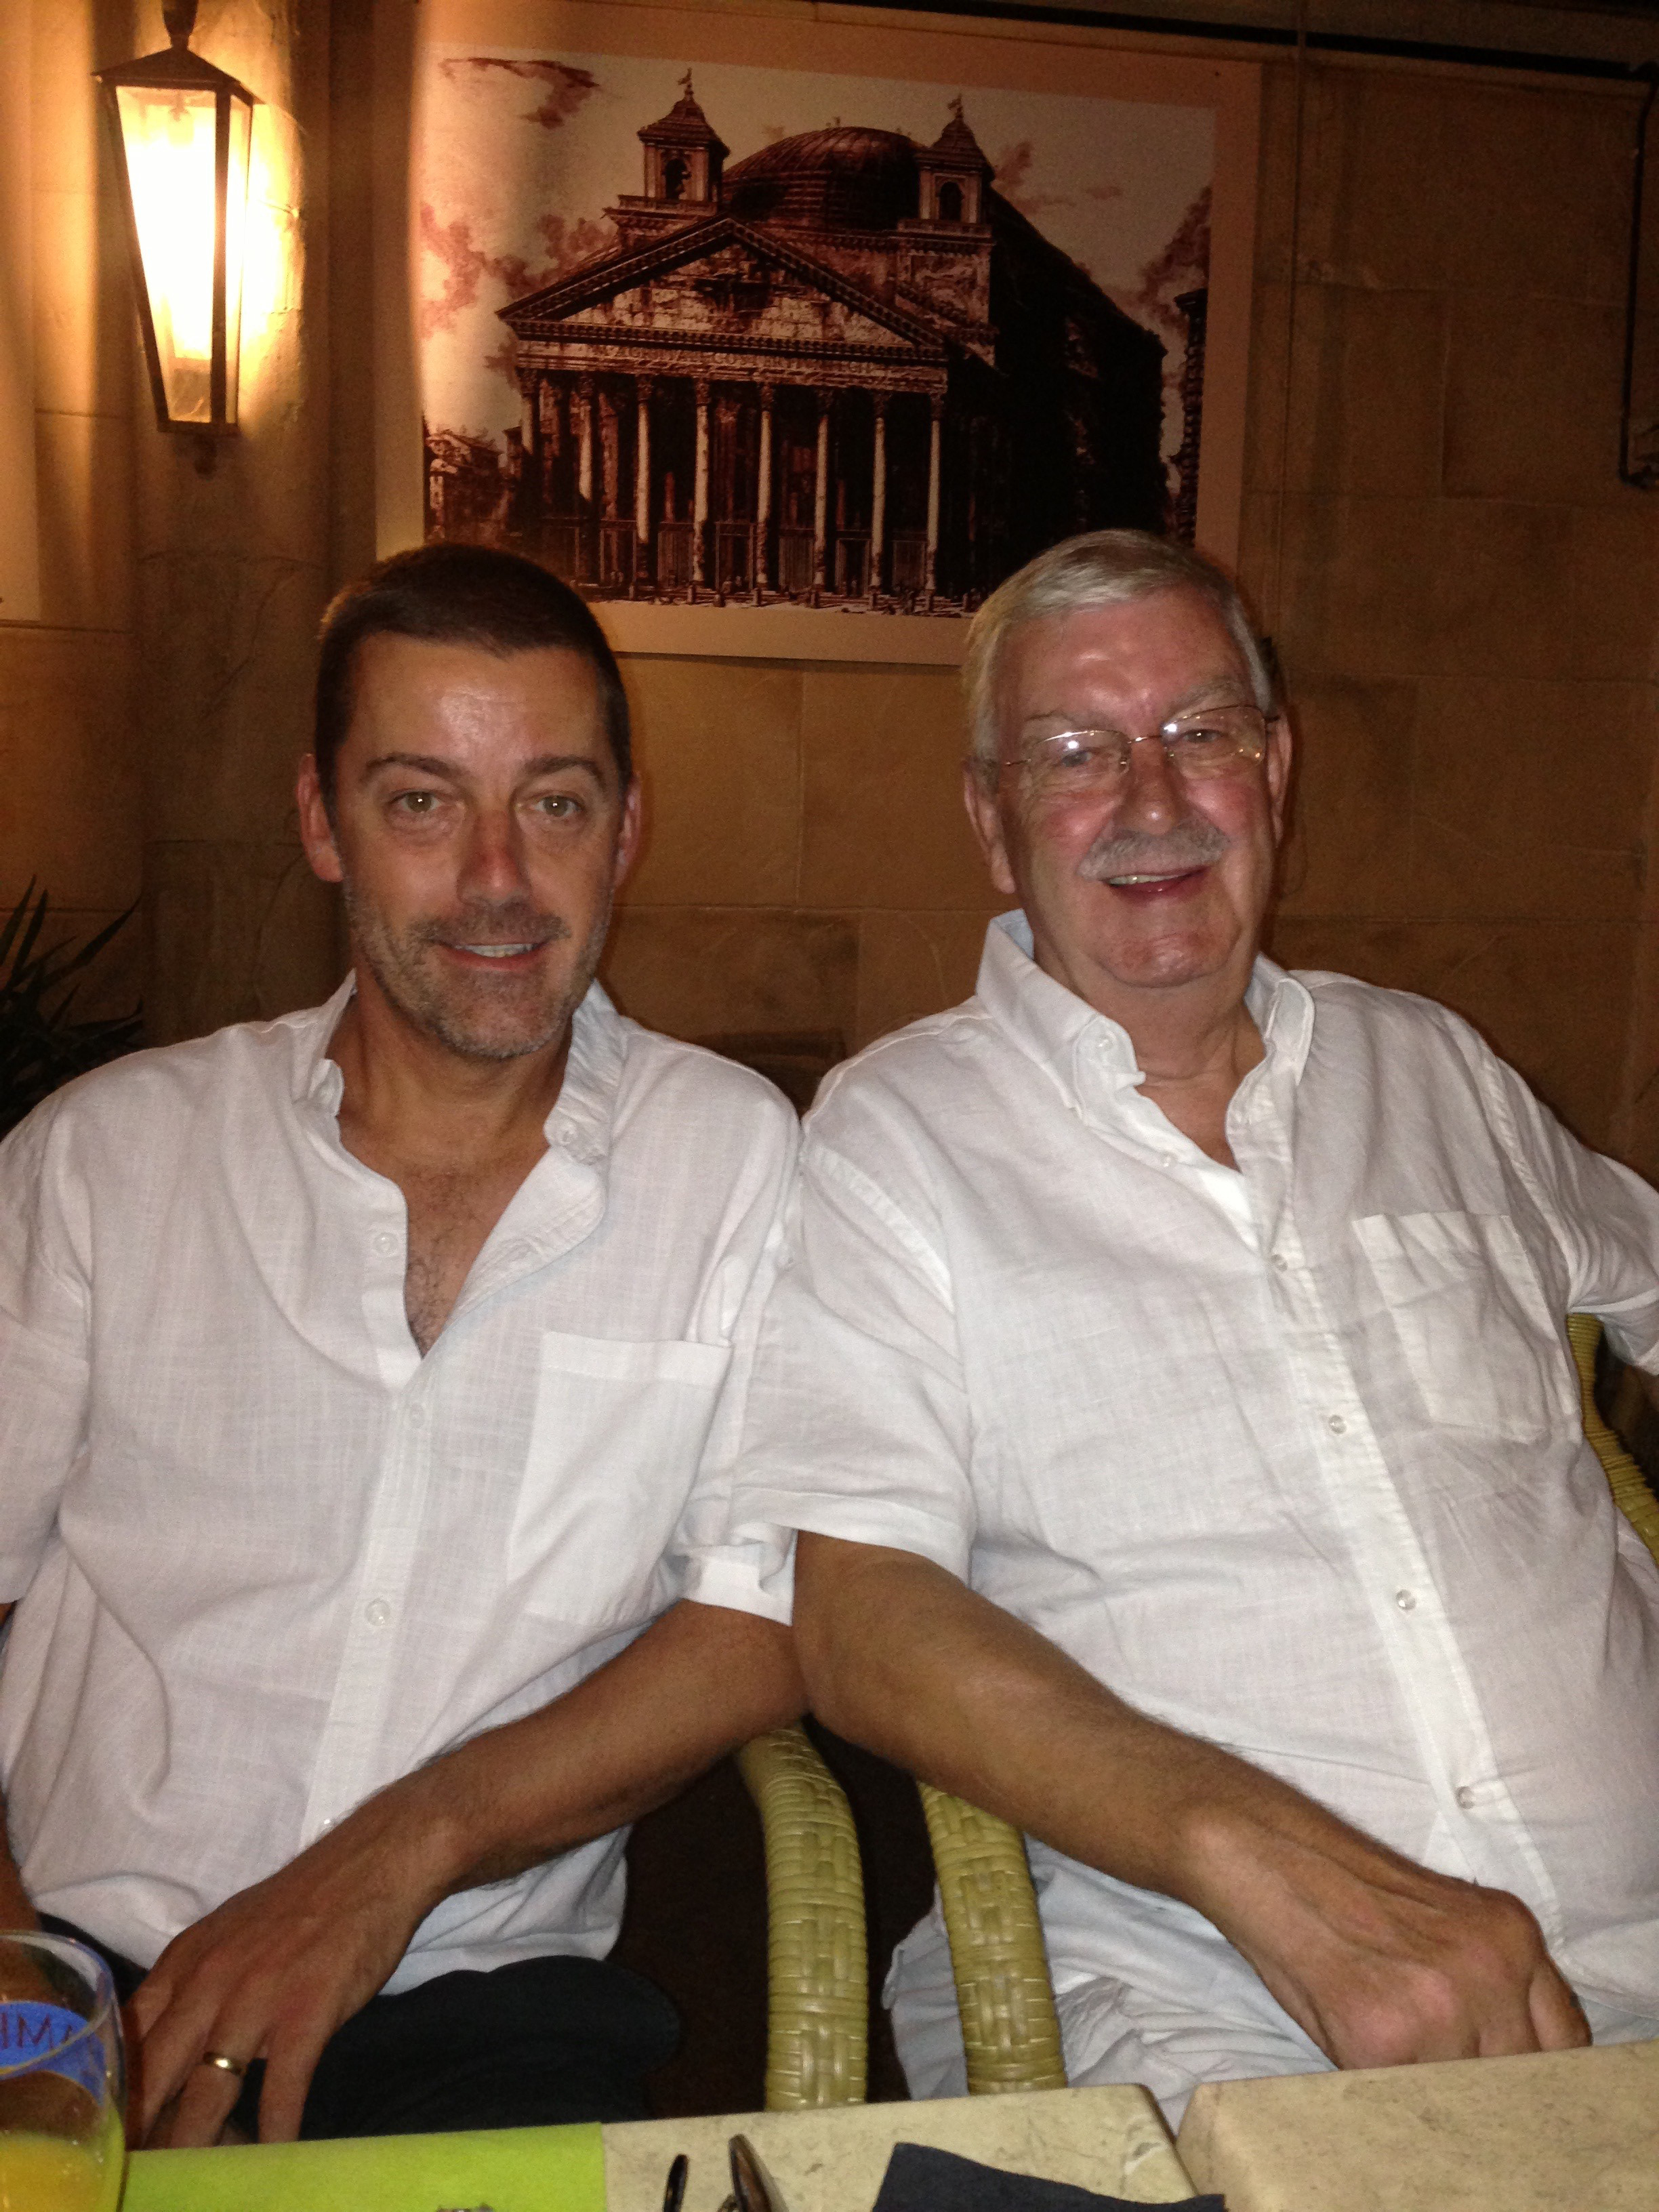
(1289,1455)
(269,1559)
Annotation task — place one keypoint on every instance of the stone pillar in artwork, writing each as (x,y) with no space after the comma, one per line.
(585,439)
(548,408)
(642,480)
(763,493)
(936,409)
(879,500)
(586,564)
(700,489)
(821,496)
(610,456)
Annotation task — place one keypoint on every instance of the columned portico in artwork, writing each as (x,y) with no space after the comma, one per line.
(783,382)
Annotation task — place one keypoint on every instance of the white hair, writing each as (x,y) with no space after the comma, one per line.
(1104,568)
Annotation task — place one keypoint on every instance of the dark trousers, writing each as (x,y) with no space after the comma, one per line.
(536,2044)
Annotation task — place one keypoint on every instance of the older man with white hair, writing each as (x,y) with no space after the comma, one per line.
(1170,1388)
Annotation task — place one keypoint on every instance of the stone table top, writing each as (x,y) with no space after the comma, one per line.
(832,2158)
(1557,2131)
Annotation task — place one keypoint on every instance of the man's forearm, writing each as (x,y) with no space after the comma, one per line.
(901,1657)
(1378,1959)
(698,1683)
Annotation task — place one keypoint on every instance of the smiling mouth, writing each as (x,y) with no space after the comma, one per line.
(498,952)
(1168,876)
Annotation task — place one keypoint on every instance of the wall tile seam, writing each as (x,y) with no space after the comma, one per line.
(62,630)
(1325,276)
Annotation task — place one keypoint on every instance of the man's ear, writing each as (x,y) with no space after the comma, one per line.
(316,831)
(979,796)
(1279,771)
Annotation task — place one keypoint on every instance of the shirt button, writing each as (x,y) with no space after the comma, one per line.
(1405,1600)
(1280,1262)
(385,1241)
(1166,1159)
(415,1417)
(377,1612)
(1337,1425)
(1466,1797)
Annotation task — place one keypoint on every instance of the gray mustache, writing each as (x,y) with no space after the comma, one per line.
(1193,843)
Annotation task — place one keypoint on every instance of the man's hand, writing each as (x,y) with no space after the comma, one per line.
(271,1974)
(1377,1960)
(280,1967)
(1381,1961)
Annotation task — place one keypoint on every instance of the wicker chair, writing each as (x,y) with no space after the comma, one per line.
(818,2003)
(1010,2033)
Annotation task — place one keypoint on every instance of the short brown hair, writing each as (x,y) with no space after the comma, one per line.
(459,595)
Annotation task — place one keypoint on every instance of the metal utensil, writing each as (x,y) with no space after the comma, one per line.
(752,2186)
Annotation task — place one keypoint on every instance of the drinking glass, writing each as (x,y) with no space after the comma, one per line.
(62,2084)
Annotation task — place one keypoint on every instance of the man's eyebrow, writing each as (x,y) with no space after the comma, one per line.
(432,764)
(421,763)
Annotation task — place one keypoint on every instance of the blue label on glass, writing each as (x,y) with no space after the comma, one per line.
(42,2039)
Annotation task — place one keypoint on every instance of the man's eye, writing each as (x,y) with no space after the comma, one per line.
(558,805)
(417,804)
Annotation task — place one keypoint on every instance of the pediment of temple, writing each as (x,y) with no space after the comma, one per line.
(727,281)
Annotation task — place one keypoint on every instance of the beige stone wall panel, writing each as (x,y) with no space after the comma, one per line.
(883,822)
(1358,596)
(1532,400)
(84,475)
(69,768)
(717,746)
(1365,392)
(1349,848)
(703,972)
(1528,799)
(911,965)
(233,933)
(1552,998)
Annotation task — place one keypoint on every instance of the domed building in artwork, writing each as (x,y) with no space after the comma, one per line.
(843,371)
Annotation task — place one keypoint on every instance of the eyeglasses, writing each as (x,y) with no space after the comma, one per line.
(1219,741)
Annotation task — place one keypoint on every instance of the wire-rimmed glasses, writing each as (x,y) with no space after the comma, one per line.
(1214,741)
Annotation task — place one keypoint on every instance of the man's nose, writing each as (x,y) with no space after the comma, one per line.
(1153,797)
(493,865)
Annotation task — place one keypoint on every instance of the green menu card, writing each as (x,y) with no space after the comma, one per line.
(507,2169)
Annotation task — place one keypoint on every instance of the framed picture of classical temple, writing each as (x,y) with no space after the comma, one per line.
(793,332)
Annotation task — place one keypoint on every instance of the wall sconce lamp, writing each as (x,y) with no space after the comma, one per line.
(182,131)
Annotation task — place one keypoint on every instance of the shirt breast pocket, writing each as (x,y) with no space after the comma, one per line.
(615,1443)
(1478,1339)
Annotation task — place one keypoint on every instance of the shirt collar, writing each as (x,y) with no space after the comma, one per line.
(580,1124)
(1083,1049)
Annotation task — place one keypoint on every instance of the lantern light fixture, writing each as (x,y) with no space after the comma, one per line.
(183,130)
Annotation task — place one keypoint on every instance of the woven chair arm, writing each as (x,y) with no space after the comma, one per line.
(1628,1484)
(1010,2033)
(817,2033)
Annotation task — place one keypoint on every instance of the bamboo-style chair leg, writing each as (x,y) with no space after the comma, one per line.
(817,2035)
(1628,1484)
(1010,2033)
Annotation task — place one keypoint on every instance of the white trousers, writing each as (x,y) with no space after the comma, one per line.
(1112,2033)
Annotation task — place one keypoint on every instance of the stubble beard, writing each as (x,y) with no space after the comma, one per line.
(476,1016)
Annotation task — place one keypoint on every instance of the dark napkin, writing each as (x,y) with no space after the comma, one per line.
(917,2179)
